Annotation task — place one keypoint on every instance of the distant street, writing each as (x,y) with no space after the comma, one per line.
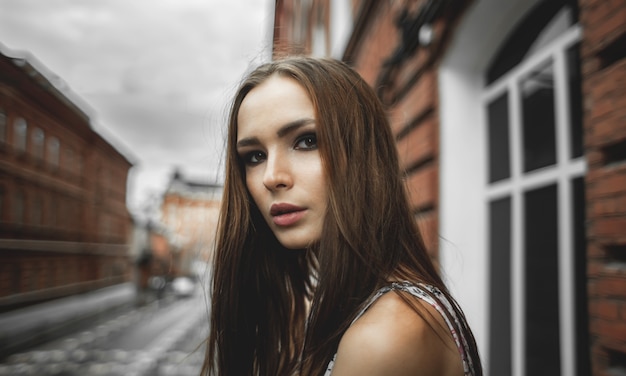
(162,339)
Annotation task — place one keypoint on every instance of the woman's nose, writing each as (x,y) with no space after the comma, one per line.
(277,173)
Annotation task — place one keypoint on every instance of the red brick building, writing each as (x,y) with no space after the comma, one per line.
(190,210)
(510,118)
(64,224)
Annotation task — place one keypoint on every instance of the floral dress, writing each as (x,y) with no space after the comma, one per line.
(438,300)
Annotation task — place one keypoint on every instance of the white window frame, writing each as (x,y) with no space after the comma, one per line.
(519,182)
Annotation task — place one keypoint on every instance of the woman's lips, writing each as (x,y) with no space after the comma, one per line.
(286,214)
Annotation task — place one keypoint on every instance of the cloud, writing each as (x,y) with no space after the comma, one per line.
(158,74)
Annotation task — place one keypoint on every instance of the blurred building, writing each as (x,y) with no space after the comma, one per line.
(179,243)
(64,225)
(510,118)
(190,210)
(155,253)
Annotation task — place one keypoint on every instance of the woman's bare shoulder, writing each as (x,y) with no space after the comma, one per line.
(392,339)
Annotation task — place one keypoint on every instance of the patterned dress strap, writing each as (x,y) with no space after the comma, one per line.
(433,296)
(440,302)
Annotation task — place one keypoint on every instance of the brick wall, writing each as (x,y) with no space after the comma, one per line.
(603,55)
(379,39)
(39,276)
(408,87)
(194,219)
(64,224)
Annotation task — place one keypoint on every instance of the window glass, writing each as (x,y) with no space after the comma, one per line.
(498,133)
(538,119)
(319,41)
(583,364)
(319,34)
(300,23)
(575,101)
(500,286)
(20,129)
(542,282)
(53,151)
(38,139)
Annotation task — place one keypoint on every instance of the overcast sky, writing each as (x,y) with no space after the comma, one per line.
(156,75)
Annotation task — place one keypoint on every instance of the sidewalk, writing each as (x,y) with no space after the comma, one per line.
(33,325)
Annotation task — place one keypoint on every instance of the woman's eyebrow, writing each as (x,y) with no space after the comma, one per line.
(293,125)
(248,141)
(281,132)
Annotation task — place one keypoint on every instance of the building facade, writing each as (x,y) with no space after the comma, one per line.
(64,225)
(510,123)
(190,210)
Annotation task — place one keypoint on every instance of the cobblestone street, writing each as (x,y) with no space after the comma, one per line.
(161,339)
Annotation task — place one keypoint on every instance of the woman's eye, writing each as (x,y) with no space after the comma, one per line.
(308,141)
(254,157)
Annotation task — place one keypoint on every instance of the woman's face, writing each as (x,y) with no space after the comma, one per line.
(277,142)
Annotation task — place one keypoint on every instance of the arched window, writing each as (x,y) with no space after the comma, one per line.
(20,130)
(38,140)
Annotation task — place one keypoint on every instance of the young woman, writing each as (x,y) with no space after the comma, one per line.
(319,267)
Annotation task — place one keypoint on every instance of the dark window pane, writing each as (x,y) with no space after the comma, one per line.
(38,139)
(575,102)
(541,279)
(583,365)
(500,287)
(537,91)
(499,162)
(20,129)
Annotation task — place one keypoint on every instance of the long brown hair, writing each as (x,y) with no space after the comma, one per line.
(259,323)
